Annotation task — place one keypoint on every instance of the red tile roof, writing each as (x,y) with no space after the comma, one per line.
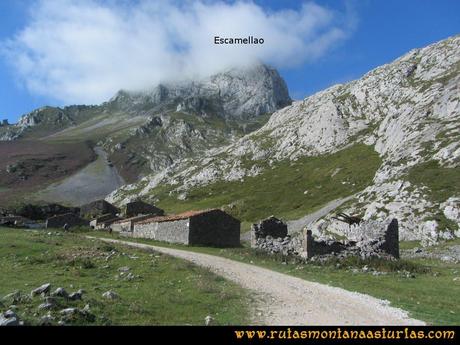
(173,217)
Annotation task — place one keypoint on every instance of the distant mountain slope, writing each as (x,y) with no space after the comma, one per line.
(408,111)
(145,132)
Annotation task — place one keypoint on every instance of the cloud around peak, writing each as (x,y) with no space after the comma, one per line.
(84,51)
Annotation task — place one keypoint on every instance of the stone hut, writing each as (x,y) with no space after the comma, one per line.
(138,208)
(208,228)
(98,208)
(127,225)
(71,219)
(271,226)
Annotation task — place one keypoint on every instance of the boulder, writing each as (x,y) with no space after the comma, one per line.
(76,296)
(44,289)
(110,295)
(60,292)
(9,318)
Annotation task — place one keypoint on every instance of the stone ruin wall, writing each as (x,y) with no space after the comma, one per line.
(367,239)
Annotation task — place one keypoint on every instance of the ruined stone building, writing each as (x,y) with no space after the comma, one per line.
(208,228)
(271,226)
(374,238)
(366,239)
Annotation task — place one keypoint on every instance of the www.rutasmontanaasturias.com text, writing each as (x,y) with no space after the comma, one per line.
(238,40)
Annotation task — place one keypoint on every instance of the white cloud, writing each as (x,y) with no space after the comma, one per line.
(84,51)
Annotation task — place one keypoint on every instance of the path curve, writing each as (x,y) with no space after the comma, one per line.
(287,300)
(297,225)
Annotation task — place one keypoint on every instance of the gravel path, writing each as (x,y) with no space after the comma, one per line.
(286,300)
(297,225)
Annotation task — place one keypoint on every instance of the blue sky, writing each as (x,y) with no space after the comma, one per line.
(370,33)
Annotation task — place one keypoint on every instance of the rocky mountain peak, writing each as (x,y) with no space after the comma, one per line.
(237,93)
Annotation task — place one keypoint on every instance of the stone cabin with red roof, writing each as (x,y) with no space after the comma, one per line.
(212,227)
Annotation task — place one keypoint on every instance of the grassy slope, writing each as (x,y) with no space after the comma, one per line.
(281,190)
(428,295)
(169,291)
(442,183)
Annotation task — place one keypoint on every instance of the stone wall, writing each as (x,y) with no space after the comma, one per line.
(315,248)
(370,239)
(390,243)
(128,224)
(209,228)
(70,219)
(172,231)
(97,222)
(107,224)
(215,228)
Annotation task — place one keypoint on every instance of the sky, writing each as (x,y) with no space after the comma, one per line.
(62,52)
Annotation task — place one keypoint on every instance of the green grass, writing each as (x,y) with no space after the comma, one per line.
(280,190)
(427,292)
(442,182)
(168,291)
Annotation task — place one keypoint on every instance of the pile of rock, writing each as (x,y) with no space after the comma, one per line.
(56,304)
(286,246)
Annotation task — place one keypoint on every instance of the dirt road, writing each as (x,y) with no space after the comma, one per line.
(297,225)
(286,300)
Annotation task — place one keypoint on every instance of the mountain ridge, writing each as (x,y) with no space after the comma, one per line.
(408,111)
(145,132)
